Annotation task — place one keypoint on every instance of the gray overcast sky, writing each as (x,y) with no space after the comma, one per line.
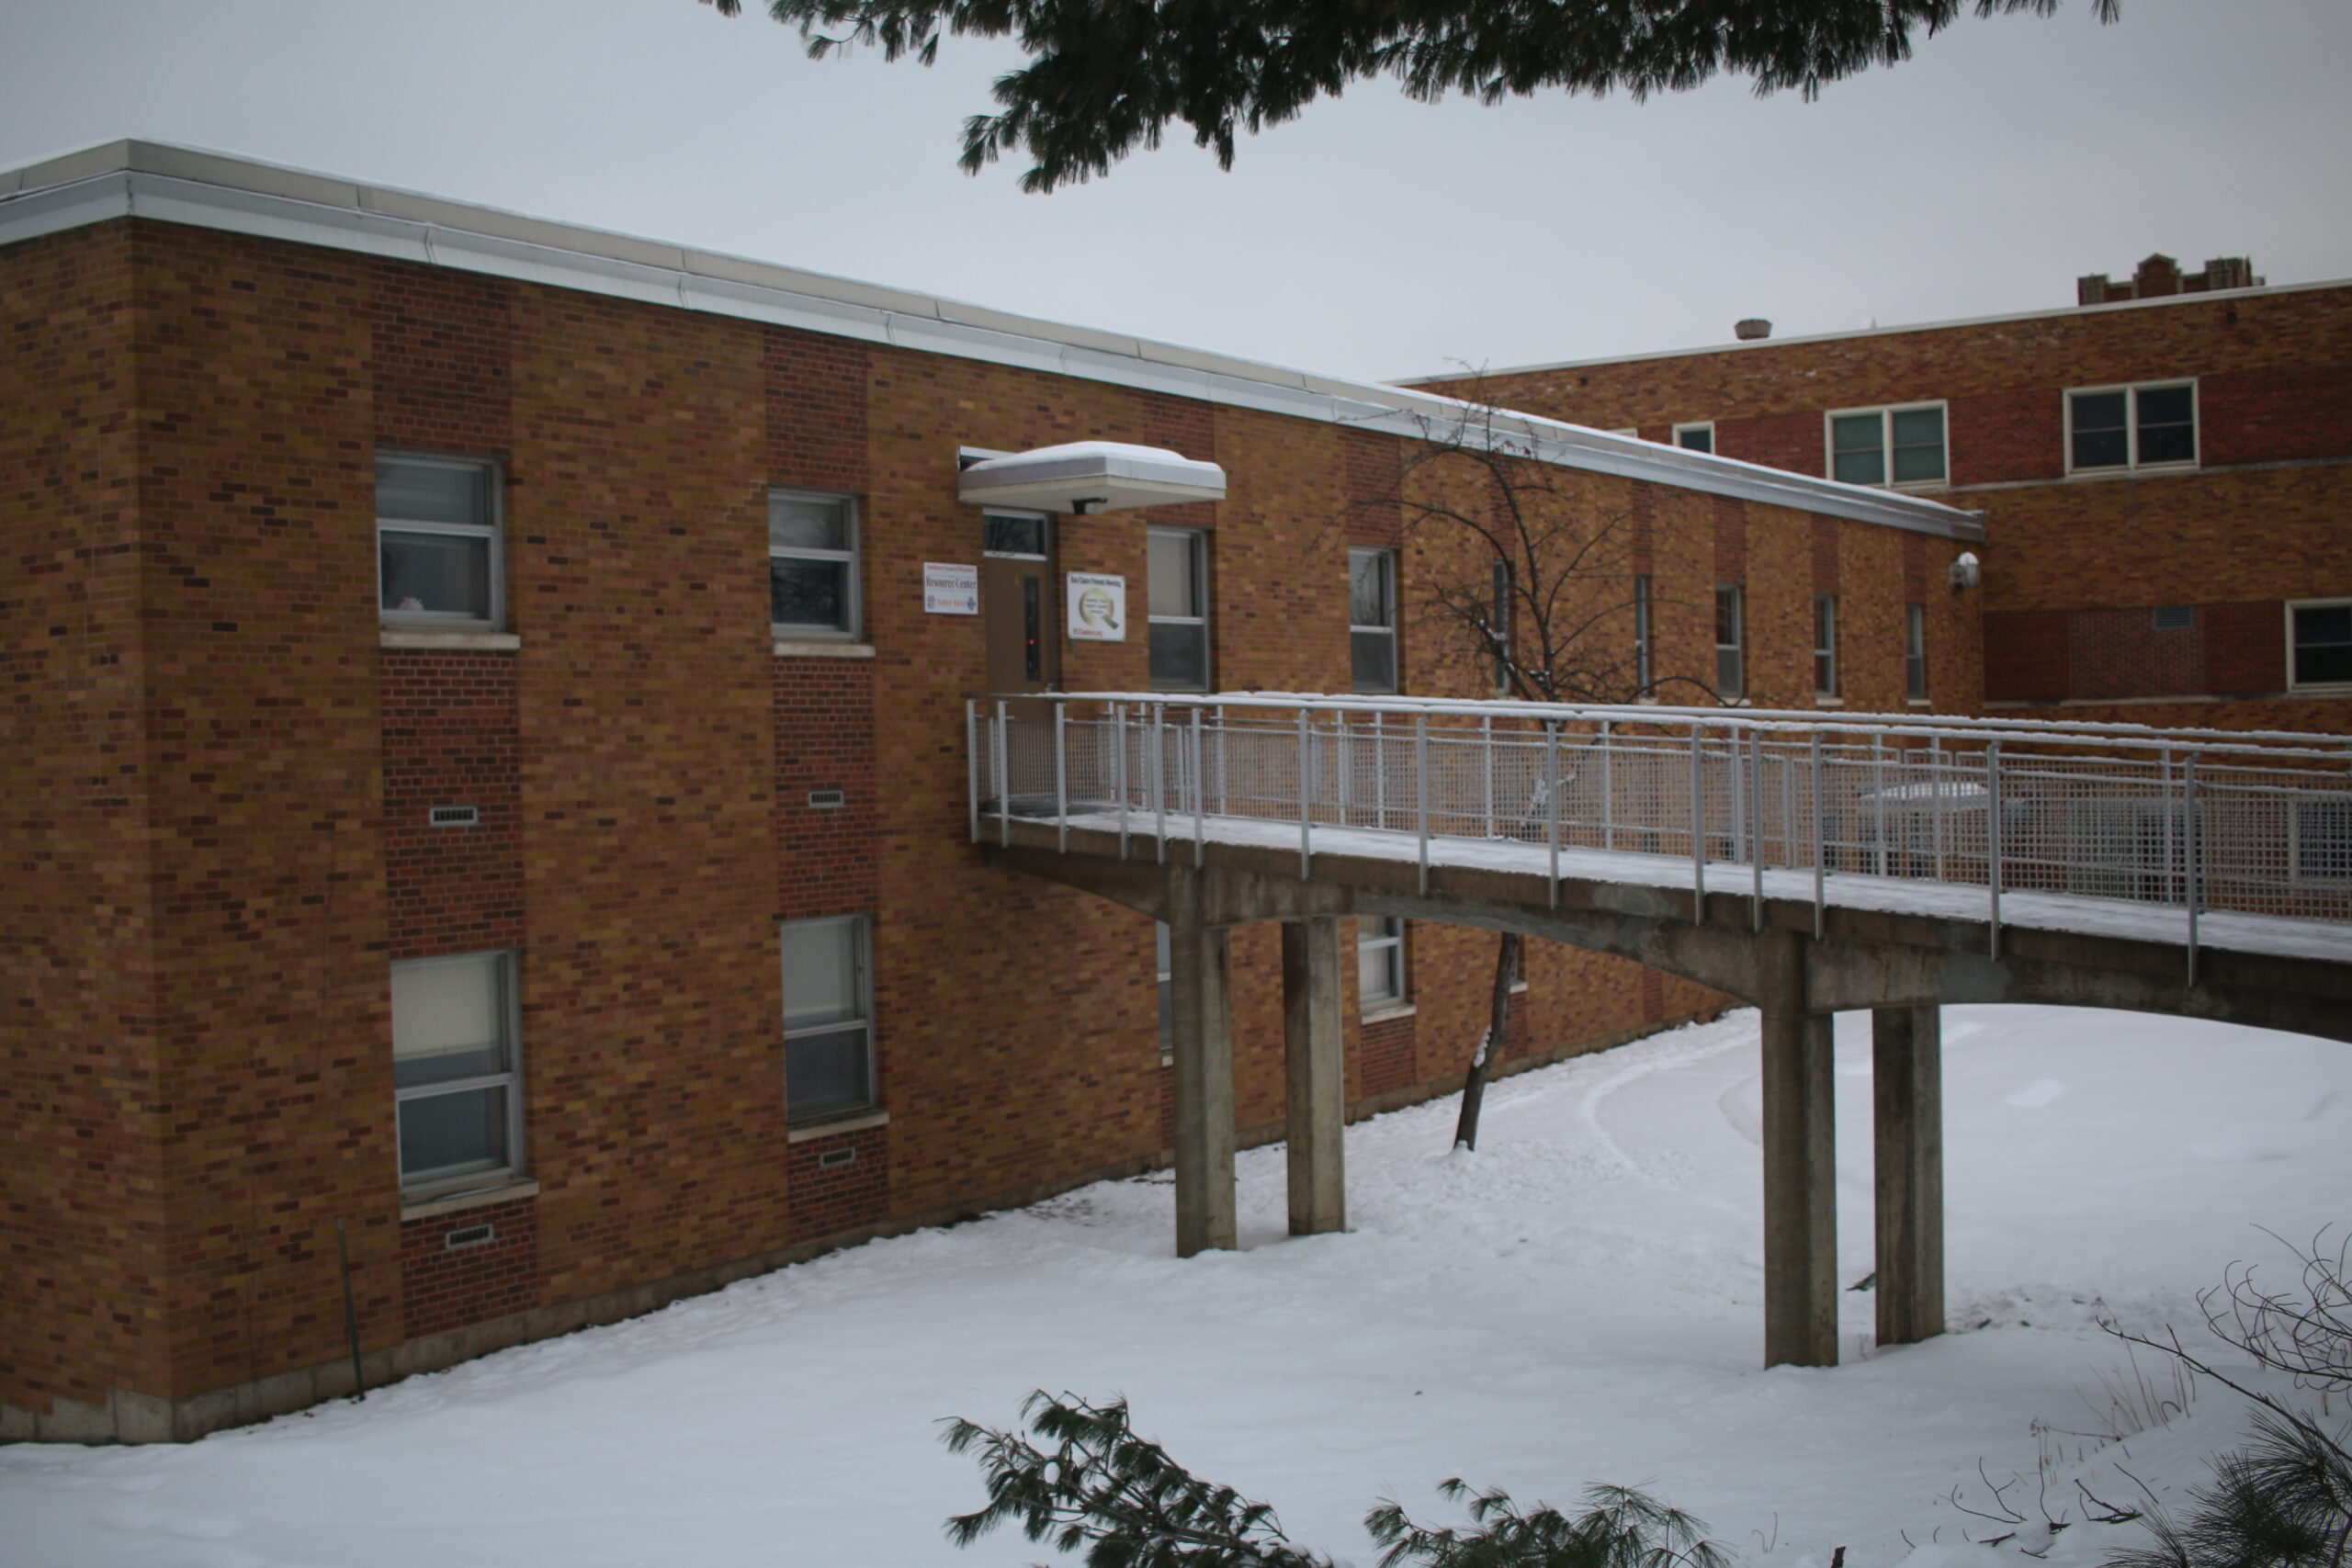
(1372,237)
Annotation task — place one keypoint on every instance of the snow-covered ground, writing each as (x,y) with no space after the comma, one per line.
(1576,1301)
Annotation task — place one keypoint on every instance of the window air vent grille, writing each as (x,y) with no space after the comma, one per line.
(832,1157)
(455,817)
(469,1236)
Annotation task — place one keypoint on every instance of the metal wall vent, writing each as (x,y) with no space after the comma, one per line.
(2176,617)
(832,1157)
(827,799)
(469,1236)
(455,817)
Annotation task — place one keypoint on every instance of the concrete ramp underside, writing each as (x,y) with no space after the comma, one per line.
(1800,945)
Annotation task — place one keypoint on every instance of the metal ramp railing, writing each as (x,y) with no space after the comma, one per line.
(2180,821)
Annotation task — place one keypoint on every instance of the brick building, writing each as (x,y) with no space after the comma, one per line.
(2165,472)
(485,783)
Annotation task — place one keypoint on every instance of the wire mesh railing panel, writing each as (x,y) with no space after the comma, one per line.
(2219,829)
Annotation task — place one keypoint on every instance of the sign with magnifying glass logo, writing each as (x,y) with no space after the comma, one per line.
(1098,606)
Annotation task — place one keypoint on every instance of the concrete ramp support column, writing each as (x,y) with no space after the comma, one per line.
(1200,971)
(1907,1092)
(1799,1163)
(1317,1097)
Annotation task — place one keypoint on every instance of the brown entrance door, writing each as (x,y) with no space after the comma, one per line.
(1017,601)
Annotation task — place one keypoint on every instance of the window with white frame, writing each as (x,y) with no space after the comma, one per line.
(1731,648)
(1643,645)
(813,589)
(1915,652)
(1164,961)
(1372,619)
(1824,644)
(440,561)
(455,1069)
(2319,643)
(1499,627)
(2151,425)
(1898,445)
(1177,560)
(828,1018)
(1380,962)
(1695,437)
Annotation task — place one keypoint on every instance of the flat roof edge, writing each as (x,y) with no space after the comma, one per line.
(206,189)
(1760,345)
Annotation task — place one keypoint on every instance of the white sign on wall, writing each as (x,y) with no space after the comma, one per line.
(1098,606)
(950,590)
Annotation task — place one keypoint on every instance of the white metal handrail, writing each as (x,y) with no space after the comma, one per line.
(2248,825)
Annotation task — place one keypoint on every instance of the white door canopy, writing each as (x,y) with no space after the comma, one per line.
(1088,477)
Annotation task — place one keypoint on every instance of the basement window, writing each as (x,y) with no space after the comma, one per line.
(1380,962)
(828,1018)
(456,1079)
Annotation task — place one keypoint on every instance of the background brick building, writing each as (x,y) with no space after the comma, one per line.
(2165,472)
(394,647)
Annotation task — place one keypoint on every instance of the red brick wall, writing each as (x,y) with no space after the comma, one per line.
(832,1195)
(442,359)
(2109,655)
(827,858)
(2274,388)
(1383,1058)
(445,1287)
(451,738)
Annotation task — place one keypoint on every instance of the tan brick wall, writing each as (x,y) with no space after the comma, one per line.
(83,1283)
(257,496)
(643,761)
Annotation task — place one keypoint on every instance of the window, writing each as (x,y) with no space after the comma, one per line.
(828,1018)
(1177,560)
(1824,644)
(1372,619)
(1915,652)
(812,564)
(1498,628)
(1021,534)
(1731,663)
(439,556)
(1888,446)
(1380,962)
(2132,428)
(455,1082)
(1695,437)
(1164,959)
(2319,638)
(1642,639)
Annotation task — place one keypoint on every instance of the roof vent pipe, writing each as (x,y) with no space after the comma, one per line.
(1752,329)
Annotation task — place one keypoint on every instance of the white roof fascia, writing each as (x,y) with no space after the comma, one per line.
(1763,346)
(241,196)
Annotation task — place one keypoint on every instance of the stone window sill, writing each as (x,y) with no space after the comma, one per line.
(786,648)
(835,1129)
(1389,1013)
(428,1205)
(449,642)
